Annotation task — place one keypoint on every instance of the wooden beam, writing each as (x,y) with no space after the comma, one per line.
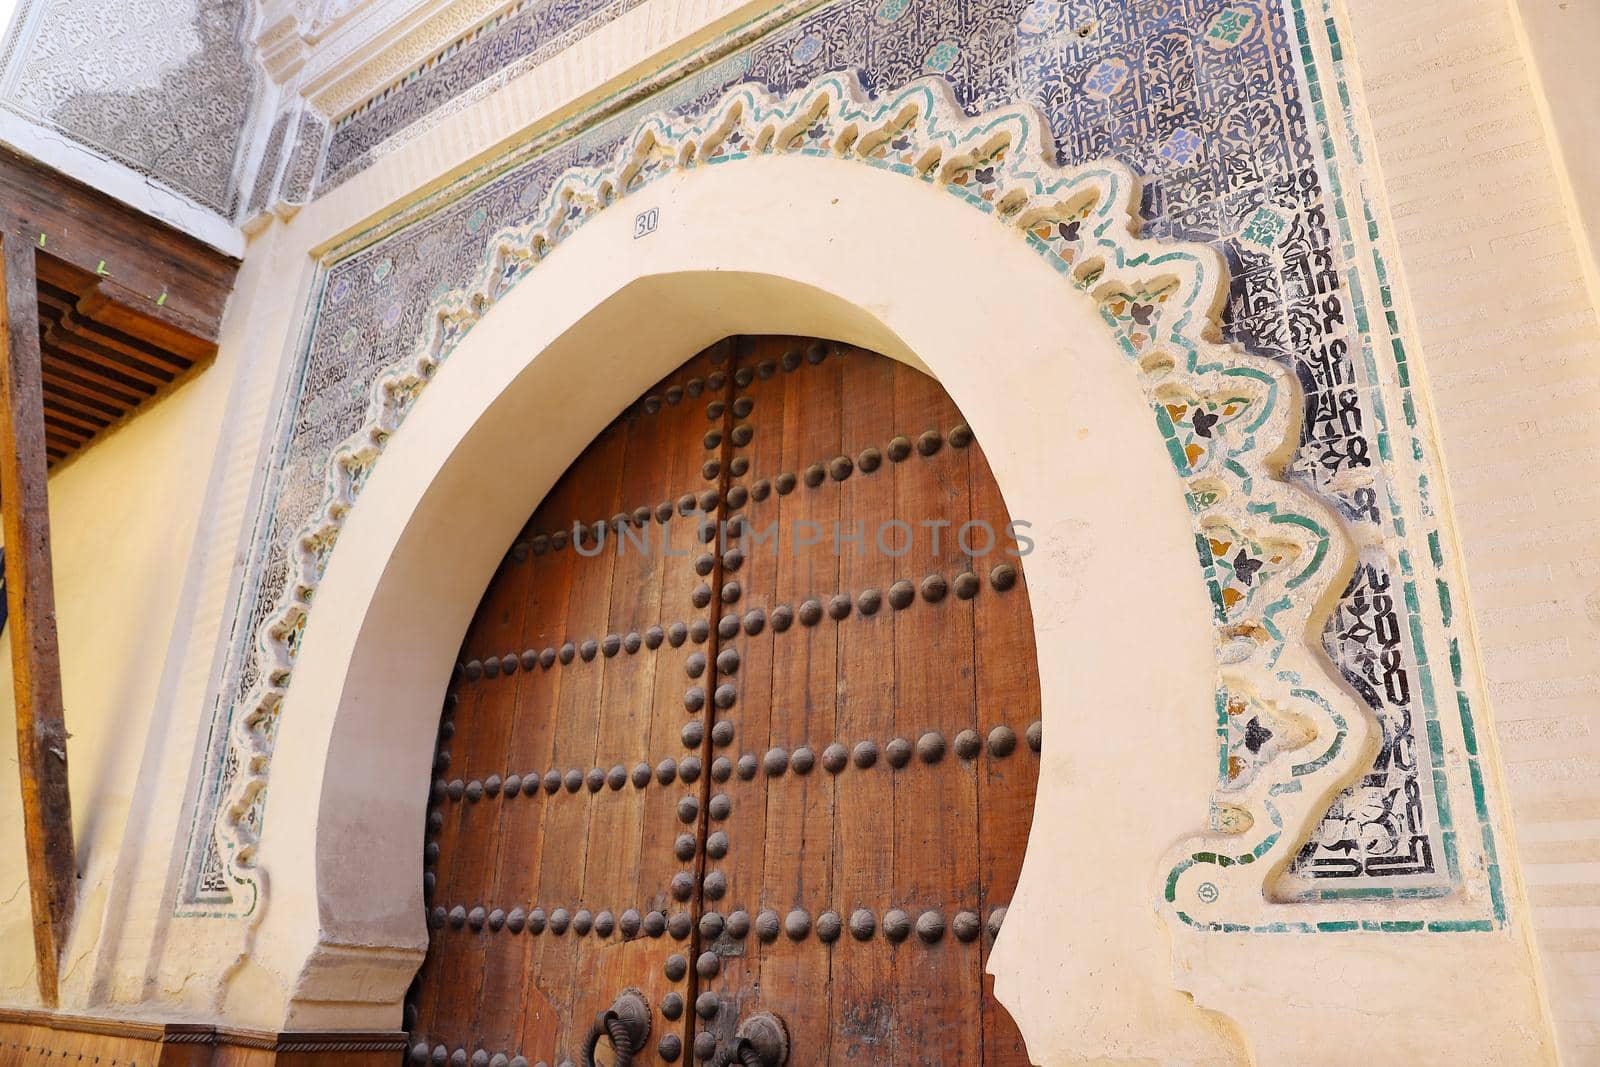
(107,239)
(107,304)
(35,665)
(67,372)
(62,339)
(61,414)
(185,332)
(85,387)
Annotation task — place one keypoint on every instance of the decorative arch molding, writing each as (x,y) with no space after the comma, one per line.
(1271,558)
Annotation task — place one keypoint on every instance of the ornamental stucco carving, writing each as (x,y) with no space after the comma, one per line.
(439,23)
(288,165)
(301,169)
(1270,556)
(267,169)
(166,87)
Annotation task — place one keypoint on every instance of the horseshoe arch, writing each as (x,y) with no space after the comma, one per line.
(1245,563)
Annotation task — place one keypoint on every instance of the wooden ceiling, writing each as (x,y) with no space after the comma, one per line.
(101,357)
(127,306)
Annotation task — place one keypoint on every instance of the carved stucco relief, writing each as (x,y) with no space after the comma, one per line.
(166,87)
(320,14)
(302,167)
(288,165)
(441,23)
(267,169)
(1270,556)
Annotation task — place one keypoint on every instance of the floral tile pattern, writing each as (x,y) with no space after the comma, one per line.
(1205,100)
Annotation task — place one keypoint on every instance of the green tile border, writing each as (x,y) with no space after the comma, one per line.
(1419,453)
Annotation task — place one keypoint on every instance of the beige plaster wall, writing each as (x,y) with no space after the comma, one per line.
(144,528)
(1492,273)
(123,519)
(1560,38)
(1507,333)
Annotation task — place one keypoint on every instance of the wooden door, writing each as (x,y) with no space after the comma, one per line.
(759,742)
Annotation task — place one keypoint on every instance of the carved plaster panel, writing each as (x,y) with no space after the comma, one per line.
(1209,106)
(302,167)
(267,169)
(166,87)
(379,43)
(288,166)
(1272,559)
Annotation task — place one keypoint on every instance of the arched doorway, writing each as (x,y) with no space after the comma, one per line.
(1124,630)
(746,722)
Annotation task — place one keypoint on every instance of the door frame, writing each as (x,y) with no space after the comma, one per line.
(817,246)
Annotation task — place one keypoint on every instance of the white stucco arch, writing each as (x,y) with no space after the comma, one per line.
(778,245)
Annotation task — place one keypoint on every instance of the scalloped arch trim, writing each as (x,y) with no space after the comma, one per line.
(1271,557)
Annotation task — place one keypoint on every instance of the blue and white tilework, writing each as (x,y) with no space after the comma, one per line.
(1205,99)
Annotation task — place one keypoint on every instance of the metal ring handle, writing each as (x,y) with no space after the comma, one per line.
(739,1051)
(761,1041)
(626,1024)
(597,1030)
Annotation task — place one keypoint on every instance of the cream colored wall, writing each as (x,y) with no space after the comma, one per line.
(123,521)
(149,523)
(1559,37)
(1493,276)
(145,526)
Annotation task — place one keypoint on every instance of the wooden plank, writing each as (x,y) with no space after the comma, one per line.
(61,371)
(72,419)
(799,707)
(497,633)
(633,860)
(869,803)
(95,354)
(422,1018)
(1007,677)
(54,301)
(65,431)
(104,237)
(517,814)
(115,385)
(75,397)
(733,868)
(105,352)
(675,732)
(937,986)
(130,348)
(108,304)
(534,826)
(464,856)
(58,437)
(35,662)
(113,303)
(624,709)
(594,483)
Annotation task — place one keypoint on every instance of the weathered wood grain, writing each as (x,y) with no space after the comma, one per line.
(945,835)
(35,660)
